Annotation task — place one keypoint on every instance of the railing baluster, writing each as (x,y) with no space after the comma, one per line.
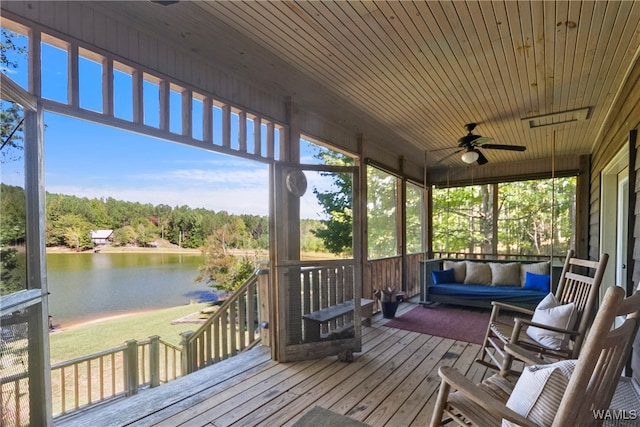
(216,340)
(75,386)
(154,360)
(113,374)
(89,381)
(242,320)
(233,328)
(102,378)
(63,389)
(224,329)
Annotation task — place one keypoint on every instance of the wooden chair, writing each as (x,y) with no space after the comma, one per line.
(591,385)
(575,285)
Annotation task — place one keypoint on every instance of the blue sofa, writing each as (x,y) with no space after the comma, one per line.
(458,292)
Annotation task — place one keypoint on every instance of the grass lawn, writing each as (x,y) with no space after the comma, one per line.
(96,337)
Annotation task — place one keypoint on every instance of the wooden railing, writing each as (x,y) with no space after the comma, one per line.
(229,330)
(385,272)
(124,370)
(14,408)
(116,372)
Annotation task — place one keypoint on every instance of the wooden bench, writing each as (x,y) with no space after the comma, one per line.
(314,320)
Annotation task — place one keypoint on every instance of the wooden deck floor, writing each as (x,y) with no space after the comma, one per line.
(393,382)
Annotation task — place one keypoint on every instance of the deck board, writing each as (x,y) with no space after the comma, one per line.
(392,382)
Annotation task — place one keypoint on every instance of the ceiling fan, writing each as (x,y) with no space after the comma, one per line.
(471,143)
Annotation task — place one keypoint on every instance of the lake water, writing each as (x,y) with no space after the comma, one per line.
(89,286)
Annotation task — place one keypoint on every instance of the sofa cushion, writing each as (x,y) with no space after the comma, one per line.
(505,274)
(550,312)
(459,269)
(539,282)
(476,294)
(536,268)
(443,276)
(478,273)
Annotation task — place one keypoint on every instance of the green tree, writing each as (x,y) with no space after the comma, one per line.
(12,271)
(124,236)
(11,46)
(414,215)
(12,215)
(222,270)
(75,232)
(337,204)
(381,214)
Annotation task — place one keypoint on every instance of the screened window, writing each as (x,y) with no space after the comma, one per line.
(534,217)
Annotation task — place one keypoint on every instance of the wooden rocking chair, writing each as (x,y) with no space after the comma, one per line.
(589,389)
(575,286)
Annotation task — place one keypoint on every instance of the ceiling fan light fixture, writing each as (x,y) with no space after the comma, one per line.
(470,157)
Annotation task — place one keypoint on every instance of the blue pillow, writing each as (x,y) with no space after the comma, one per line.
(537,282)
(443,276)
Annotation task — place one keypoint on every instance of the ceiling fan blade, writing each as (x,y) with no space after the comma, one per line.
(482,160)
(448,156)
(480,141)
(503,147)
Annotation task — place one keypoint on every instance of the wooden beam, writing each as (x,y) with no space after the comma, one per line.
(107,87)
(187,112)
(207,120)
(73,89)
(165,105)
(242,131)
(504,172)
(257,136)
(226,126)
(138,99)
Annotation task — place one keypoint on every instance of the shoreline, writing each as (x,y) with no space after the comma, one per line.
(60,327)
(122,250)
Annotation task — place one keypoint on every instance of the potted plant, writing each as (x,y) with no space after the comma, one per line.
(388,302)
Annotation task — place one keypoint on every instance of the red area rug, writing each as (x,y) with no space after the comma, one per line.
(458,323)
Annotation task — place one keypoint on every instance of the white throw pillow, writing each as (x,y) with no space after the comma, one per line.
(539,390)
(478,273)
(505,274)
(550,312)
(459,269)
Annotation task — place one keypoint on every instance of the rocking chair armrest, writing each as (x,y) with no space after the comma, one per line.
(528,357)
(519,322)
(471,391)
(504,306)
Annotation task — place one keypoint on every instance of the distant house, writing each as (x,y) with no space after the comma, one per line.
(101,237)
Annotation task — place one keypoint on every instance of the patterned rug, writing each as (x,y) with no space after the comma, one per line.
(459,323)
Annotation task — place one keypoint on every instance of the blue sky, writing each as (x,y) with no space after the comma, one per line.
(95,161)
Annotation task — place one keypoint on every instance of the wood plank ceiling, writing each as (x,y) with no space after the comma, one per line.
(420,70)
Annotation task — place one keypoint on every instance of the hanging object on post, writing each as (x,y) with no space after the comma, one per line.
(296,182)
